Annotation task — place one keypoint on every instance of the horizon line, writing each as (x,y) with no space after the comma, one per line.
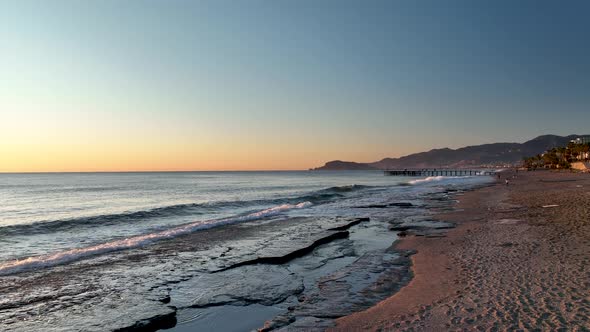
(156,171)
(168,171)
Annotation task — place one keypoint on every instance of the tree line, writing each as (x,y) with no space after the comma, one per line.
(559,157)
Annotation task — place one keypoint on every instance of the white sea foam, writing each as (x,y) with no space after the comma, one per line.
(67,256)
(428,179)
(436,178)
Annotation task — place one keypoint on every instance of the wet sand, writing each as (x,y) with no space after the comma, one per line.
(511,264)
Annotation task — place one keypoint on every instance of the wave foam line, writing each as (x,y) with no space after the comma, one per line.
(436,178)
(68,256)
(49,226)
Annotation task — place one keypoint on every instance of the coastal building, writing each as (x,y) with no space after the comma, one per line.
(581,140)
(581,152)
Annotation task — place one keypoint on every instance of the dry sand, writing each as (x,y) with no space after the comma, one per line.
(511,264)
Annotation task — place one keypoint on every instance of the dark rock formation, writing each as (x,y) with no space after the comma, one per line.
(350,224)
(293,254)
(373,206)
(371,278)
(402,204)
(153,324)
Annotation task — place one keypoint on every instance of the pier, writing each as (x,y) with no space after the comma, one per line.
(438,172)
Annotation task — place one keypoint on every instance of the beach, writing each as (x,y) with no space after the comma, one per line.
(208,251)
(395,253)
(517,260)
(305,166)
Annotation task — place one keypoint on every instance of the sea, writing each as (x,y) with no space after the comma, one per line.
(231,251)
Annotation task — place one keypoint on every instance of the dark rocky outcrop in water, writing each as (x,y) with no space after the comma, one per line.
(402,204)
(347,226)
(470,156)
(347,291)
(153,324)
(383,206)
(293,254)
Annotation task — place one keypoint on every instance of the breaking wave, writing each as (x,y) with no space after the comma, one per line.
(343,189)
(190,209)
(37,262)
(435,179)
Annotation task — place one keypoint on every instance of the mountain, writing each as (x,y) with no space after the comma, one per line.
(338,165)
(494,154)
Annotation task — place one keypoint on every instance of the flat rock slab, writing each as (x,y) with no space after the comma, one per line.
(89,294)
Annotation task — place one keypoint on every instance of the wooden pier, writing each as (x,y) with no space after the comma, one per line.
(438,172)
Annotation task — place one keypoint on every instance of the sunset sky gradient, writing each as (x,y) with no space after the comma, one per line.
(252,85)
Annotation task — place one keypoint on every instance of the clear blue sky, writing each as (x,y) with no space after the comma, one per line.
(282,84)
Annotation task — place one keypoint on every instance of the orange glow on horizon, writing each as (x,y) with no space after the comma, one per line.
(151,157)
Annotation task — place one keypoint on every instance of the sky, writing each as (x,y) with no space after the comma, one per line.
(272,85)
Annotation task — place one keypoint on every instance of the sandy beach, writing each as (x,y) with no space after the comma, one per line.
(517,260)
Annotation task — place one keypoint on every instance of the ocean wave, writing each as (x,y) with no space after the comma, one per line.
(188,209)
(435,178)
(347,188)
(47,226)
(68,256)
(76,189)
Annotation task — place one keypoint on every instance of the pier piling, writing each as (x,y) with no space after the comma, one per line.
(438,172)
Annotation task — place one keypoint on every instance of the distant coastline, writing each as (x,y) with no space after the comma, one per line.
(485,155)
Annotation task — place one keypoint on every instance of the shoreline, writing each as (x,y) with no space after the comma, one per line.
(435,278)
(280,272)
(481,274)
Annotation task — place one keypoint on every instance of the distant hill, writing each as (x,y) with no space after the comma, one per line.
(494,154)
(338,165)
